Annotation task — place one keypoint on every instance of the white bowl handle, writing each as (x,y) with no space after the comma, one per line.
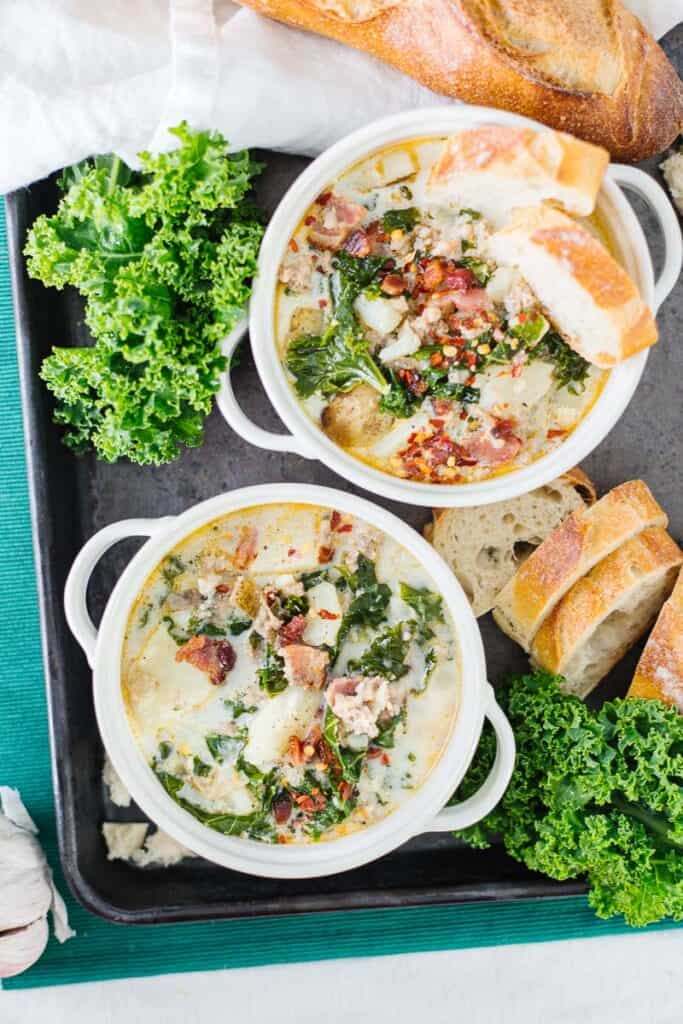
(477,806)
(76,589)
(240,423)
(658,201)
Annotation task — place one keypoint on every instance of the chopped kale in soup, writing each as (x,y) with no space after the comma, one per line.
(294,676)
(408,345)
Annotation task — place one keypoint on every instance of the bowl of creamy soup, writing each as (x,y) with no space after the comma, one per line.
(289,680)
(396,350)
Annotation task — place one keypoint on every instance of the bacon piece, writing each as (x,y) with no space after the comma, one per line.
(282,808)
(358,244)
(460,279)
(472,301)
(305,665)
(245,552)
(432,276)
(393,284)
(292,631)
(295,751)
(336,222)
(442,406)
(494,447)
(210,655)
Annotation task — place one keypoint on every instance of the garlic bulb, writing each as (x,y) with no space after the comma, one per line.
(27,891)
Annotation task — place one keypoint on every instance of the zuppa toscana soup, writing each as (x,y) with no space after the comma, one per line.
(407,344)
(290,674)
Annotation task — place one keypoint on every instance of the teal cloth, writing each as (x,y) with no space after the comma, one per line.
(103,950)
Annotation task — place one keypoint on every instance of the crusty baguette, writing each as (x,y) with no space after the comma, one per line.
(586,68)
(584,538)
(659,673)
(606,611)
(589,296)
(496,168)
(484,546)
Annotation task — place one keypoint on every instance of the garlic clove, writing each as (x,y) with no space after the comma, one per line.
(21,947)
(27,891)
(24,878)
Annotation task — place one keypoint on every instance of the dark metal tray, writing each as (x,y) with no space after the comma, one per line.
(72,498)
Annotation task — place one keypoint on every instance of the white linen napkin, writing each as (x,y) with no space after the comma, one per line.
(79,78)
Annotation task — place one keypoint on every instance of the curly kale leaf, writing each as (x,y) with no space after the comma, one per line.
(594,794)
(164,260)
(386,655)
(339,359)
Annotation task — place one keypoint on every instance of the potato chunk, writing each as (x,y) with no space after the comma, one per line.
(354,418)
(306,320)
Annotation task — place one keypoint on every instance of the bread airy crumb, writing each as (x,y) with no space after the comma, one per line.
(117,792)
(672,169)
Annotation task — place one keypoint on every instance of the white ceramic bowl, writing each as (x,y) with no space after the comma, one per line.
(423,812)
(308,440)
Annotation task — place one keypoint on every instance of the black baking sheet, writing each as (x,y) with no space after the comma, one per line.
(74,497)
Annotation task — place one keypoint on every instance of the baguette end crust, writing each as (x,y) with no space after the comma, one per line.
(607,610)
(584,538)
(592,70)
(659,673)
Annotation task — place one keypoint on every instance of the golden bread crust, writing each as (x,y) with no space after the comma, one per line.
(586,68)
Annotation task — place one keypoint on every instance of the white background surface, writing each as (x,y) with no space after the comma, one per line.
(632,979)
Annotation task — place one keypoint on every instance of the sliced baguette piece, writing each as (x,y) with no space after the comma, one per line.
(606,611)
(485,546)
(659,673)
(590,298)
(585,537)
(495,168)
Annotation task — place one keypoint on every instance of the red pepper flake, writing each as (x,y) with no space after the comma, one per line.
(386,759)
(335,519)
(325,614)
(556,433)
(293,245)
(325,554)
(322,303)
(373,753)
(223,588)
(437,423)
(309,220)
(470,380)
(324,198)
(522,318)
(292,551)
(464,414)
(346,528)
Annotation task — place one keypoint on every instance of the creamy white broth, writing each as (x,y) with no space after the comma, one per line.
(290,754)
(454,395)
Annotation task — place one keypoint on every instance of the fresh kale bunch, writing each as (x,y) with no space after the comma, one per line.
(164,259)
(595,793)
